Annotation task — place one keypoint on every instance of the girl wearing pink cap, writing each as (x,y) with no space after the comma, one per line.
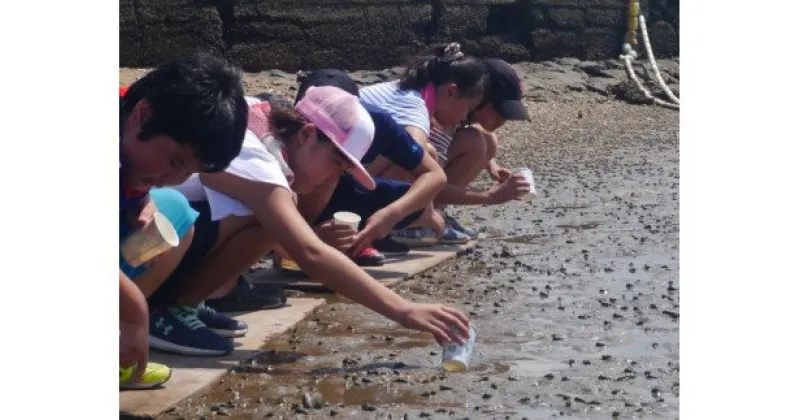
(249,210)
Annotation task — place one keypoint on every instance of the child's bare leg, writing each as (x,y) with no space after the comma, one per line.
(174,206)
(149,281)
(241,242)
(466,157)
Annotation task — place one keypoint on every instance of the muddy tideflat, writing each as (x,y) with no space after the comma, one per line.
(576,296)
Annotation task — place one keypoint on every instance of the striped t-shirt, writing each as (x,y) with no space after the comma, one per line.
(406,106)
(441,139)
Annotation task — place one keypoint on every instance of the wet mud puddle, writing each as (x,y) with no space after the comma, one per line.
(548,345)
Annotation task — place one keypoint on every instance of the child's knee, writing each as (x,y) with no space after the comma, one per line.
(470,142)
(175,207)
(185,243)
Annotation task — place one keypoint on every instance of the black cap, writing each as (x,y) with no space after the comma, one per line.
(327,77)
(505,93)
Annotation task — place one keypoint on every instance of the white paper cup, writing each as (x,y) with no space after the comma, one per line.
(145,244)
(528,174)
(347,218)
(456,358)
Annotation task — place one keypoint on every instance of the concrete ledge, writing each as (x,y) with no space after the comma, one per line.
(191,375)
(394,271)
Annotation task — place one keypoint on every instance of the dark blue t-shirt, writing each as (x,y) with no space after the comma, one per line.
(392,141)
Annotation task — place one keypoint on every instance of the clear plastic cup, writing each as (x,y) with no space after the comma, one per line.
(347,218)
(153,240)
(456,358)
(528,174)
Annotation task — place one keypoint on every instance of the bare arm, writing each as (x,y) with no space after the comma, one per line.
(459,191)
(132,304)
(274,208)
(429,181)
(454,194)
(513,188)
(133,327)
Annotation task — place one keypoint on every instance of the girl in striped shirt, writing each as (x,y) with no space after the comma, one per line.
(444,85)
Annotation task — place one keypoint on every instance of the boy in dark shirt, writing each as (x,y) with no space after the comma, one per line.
(186,116)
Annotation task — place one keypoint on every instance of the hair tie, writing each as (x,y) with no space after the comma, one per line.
(453,51)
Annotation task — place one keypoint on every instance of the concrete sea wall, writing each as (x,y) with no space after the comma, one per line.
(373,34)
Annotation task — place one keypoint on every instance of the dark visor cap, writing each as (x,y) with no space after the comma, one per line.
(505,93)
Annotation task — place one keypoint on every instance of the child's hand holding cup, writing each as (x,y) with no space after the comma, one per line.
(348,219)
(528,175)
(152,240)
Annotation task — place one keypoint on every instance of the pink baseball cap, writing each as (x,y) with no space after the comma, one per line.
(341,117)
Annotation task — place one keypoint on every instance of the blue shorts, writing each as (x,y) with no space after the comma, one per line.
(177,210)
(349,195)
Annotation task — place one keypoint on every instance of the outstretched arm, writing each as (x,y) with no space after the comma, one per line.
(274,208)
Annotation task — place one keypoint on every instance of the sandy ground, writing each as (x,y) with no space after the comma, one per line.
(575,297)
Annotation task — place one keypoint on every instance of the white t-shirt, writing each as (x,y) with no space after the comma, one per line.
(255,162)
(406,106)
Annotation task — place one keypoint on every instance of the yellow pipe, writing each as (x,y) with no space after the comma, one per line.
(633,22)
(633,8)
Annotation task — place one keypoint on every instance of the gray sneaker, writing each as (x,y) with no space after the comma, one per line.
(454,237)
(416,237)
(453,224)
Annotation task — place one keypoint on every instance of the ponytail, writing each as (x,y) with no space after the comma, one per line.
(447,64)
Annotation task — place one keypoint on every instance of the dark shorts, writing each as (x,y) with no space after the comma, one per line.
(206,233)
(350,196)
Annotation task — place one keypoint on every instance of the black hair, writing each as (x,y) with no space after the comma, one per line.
(197,101)
(286,122)
(443,64)
(274,100)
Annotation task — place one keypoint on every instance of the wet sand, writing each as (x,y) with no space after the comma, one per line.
(575,297)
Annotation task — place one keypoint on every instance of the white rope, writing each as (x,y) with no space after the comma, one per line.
(632,75)
(628,54)
(652,59)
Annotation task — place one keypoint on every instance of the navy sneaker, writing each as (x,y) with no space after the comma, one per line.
(391,248)
(453,224)
(222,325)
(248,296)
(178,330)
